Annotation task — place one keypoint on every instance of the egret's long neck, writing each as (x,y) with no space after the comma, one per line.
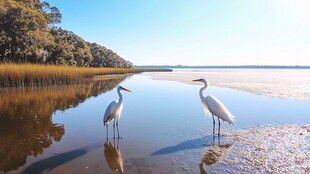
(201,91)
(120,96)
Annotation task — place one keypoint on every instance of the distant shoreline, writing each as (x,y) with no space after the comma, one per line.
(224,67)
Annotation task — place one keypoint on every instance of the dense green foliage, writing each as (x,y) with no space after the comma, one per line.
(28,35)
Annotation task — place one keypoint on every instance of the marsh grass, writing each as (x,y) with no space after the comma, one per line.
(43,101)
(26,116)
(20,75)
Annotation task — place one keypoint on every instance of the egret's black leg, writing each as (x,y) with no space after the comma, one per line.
(107,132)
(219,126)
(114,129)
(213,125)
(117,129)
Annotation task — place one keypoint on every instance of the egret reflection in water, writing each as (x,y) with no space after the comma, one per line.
(213,106)
(214,155)
(113,156)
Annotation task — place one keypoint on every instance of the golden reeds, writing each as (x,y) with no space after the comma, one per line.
(20,75)
(43,101)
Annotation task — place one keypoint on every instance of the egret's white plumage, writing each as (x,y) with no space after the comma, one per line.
(218,109)
(213,106)
(114,110)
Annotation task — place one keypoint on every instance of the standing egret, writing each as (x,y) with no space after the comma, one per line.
(214,106)
(114,111)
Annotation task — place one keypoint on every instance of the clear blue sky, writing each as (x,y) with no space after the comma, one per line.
(195,32)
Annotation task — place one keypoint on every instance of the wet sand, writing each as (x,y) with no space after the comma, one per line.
(277,149)
(282,83)
(281,149)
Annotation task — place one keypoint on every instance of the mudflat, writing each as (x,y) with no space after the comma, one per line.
(282,83)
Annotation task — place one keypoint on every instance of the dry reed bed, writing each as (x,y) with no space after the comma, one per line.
(20,75)
(43,101)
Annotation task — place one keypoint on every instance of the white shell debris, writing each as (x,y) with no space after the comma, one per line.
(282,149)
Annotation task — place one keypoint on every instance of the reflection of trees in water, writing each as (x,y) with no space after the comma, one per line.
(26,126)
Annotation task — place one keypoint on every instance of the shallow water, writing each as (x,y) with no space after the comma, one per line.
(163,127)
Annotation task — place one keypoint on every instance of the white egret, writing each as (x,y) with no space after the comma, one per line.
(114,111)
(214,106)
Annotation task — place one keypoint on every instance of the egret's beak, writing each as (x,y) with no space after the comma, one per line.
(125,89)
(197,80)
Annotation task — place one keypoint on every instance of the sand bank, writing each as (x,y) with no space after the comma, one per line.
(282,83)
(282,149)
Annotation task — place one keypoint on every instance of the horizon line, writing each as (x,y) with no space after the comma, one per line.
(227,66)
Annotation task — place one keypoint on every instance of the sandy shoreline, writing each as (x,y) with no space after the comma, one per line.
(263,149)
(282,83)
(280,149)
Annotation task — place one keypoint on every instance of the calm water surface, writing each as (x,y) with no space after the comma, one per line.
(163,127)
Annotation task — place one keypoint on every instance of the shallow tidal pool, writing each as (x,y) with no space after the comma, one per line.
(163,129)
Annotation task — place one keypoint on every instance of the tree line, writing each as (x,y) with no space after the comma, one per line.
(28,34)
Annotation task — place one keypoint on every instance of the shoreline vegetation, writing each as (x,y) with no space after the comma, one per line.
(34,51)
(224,66)
(29,33)
(32,75)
